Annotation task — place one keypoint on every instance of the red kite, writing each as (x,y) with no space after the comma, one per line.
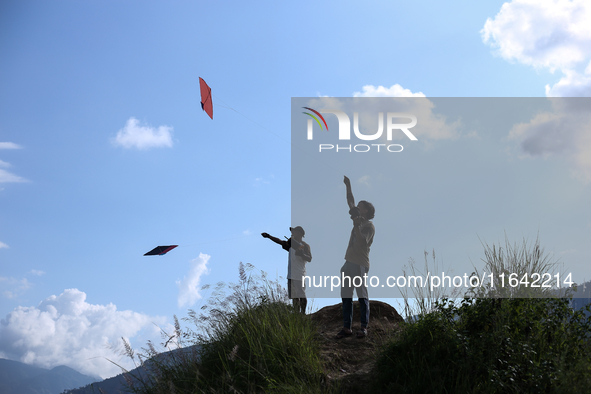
(160,250)
(206,103)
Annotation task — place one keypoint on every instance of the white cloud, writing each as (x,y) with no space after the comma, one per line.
(9,145)
(37,272)
(553,35)
(573,84)
(3,245)
(66,330)
(563,132)
(134,135)
(365,180)
(189,285)
(5,175)
(12,287)
(263,180)
(381,91)
(550,34)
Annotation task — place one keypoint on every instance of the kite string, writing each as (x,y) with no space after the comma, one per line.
(219,240)
(253,121)
(275,134)
(223,106)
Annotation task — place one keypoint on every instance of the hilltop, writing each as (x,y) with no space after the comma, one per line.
(350,359)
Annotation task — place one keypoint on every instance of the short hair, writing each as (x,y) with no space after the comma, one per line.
(370,209)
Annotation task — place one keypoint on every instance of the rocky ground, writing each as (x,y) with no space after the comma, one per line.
(350,359)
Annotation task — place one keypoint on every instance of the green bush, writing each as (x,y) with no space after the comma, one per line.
(490,346)
(425,357)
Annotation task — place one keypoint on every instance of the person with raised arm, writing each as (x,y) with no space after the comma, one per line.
(354,271)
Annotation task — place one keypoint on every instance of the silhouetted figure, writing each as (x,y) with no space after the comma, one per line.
(357,263)
(299,255)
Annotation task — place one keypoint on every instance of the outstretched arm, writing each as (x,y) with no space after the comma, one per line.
(284,244)
(350,198)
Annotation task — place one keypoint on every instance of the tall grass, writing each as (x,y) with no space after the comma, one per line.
(249,340)
(532,268)
(423,300)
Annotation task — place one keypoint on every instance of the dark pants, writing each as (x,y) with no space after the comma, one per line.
(348,312)
(354,270)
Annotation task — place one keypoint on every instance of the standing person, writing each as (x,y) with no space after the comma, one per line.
(357,263)
(299,255)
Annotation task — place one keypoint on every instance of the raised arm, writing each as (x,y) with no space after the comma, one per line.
(350,198)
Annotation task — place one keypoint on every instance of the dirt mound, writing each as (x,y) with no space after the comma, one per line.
(350,359)
(380,313)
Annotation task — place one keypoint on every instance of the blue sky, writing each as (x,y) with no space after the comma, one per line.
(78,208)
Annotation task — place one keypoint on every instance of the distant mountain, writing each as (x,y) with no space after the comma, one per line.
(114,385)
(19,378)
(118,385)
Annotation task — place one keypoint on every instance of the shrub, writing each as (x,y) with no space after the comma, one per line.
(424,358)
(490,346)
